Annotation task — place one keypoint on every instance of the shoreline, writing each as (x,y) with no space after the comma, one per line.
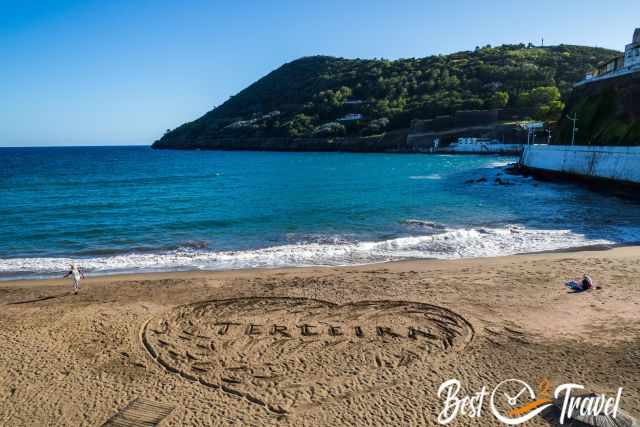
(578,252)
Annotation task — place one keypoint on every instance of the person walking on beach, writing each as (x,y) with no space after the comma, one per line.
(77,275)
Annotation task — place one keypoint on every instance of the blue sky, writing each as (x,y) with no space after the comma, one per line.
(121,72)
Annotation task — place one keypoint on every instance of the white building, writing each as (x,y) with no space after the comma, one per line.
(481,146)
(632,51)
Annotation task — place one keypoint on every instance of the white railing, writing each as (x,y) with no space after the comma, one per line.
(616,73)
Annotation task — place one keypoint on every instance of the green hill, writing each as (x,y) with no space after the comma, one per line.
(307,97)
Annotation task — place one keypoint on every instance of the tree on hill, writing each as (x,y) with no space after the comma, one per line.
(545,101)
(499,99)
(300,125)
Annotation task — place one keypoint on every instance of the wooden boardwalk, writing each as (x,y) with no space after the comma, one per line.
(140,413)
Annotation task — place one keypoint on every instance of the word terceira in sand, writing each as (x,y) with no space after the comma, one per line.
(279,352)
(308,330)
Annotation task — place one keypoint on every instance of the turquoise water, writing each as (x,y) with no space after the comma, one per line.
(125,209)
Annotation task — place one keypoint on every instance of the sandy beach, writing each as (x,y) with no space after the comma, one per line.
(366,345)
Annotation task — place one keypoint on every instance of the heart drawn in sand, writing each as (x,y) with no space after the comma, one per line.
(288,354)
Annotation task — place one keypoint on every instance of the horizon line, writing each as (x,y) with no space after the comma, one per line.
(76,146)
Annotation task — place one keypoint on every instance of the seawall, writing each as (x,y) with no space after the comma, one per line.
(604,164)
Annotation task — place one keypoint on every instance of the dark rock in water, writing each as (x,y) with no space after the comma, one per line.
(501,181)
(426,224)
(516,169)
(473,181)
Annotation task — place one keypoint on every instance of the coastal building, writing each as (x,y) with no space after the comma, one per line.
(632,51)
(470,145)
(474,145)
(627,63)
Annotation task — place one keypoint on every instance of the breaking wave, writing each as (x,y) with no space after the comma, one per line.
(499,164)
(432,177)
(444,243)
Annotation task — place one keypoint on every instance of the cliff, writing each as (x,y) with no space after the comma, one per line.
(608,113)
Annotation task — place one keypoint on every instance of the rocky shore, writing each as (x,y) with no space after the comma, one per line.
(390,142)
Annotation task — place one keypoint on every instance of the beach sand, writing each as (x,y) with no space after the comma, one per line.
(367,345)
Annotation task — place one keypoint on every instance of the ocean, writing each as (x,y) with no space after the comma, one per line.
(134,209)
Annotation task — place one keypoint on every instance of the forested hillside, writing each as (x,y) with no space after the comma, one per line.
(313,96)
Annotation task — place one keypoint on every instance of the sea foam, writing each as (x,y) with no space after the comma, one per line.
(449,243)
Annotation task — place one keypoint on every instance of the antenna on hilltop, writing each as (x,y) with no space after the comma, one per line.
(542,42)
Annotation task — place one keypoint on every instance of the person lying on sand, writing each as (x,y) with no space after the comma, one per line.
(580,285)
(77,275)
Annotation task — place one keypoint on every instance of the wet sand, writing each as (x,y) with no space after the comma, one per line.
(366,345)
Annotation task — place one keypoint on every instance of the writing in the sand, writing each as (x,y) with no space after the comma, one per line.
(311,330)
